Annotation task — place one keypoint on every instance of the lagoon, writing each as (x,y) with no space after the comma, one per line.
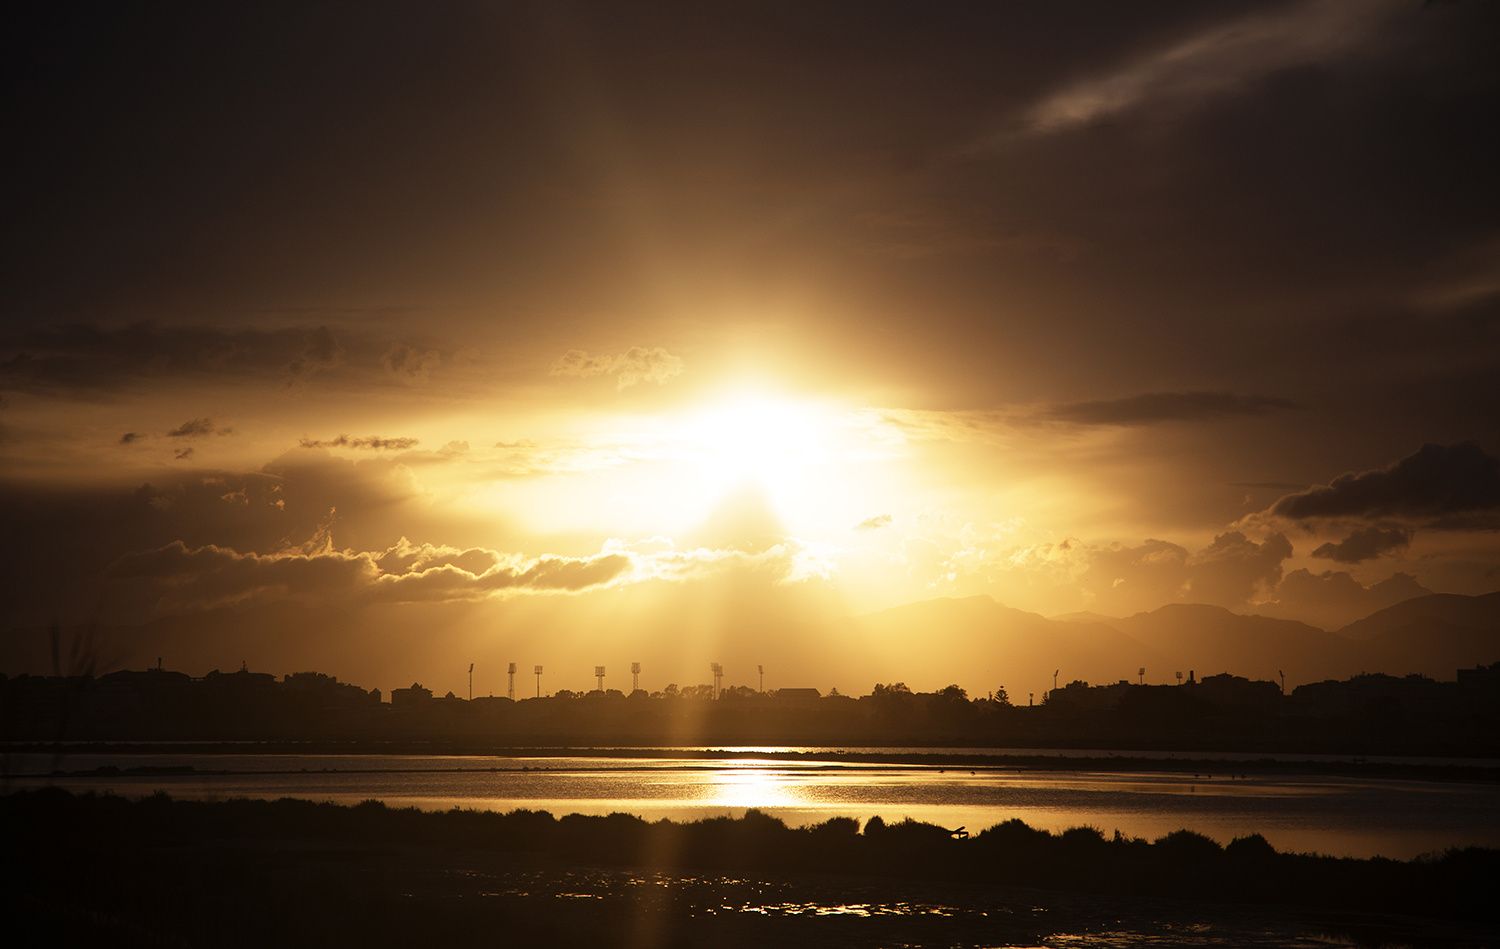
(1336,814)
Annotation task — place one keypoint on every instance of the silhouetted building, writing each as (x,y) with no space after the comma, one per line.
(796,698)
(413,697)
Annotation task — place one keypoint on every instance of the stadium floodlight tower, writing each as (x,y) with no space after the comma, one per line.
(512,673)
(718,671)
(599,674)
(1142,674)
(471,682)
(761,671)
(1179,678)
(635,677)
(537,671)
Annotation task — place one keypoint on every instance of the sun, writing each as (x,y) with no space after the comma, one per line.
(756,438)
(668,473)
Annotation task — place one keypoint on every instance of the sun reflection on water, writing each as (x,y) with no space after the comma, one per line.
(751,787)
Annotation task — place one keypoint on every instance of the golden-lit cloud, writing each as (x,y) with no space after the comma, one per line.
(211,576)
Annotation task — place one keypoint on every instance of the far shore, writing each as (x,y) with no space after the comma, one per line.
(1225,763)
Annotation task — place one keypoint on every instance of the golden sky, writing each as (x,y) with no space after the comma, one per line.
(582,333)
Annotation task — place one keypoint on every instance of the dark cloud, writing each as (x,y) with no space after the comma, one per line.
(1466,522)
(183,454)
(130,437)
(408,365)
(1152,407)
(199,428)
(320,350)
(75,532)
(376,442)
(88,361)
(874,523)
(1365,544)
(1439,480)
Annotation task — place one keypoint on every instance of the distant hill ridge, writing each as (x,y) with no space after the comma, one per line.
(1434,635)
(1474,612)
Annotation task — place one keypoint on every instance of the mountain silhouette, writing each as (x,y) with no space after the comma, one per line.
(1474,612)
(1207,640)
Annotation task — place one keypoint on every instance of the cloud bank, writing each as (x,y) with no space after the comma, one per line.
(210,576)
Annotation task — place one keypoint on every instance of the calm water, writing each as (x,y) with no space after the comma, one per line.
(1336,815)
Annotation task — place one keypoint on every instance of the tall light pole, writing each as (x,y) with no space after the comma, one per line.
(471,682)
(537,671)
(762,671)
(635,677)
(512,673)
(599,674)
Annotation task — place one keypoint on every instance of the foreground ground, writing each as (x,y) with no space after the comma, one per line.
(163,872)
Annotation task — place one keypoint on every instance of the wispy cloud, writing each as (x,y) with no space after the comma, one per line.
(376,442)
(195,428)
(635,365)
(409,366)
(1218,61)
(1152,407)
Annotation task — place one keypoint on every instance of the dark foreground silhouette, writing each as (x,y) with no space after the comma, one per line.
(160,871)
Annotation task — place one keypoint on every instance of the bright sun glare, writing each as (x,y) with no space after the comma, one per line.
(769,440)
(666,473)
